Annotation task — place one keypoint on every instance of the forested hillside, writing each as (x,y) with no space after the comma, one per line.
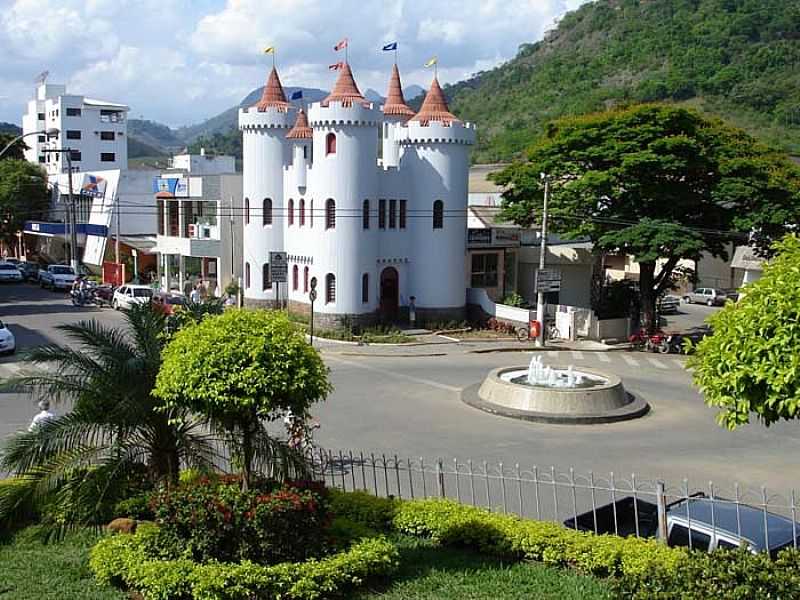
(738,59)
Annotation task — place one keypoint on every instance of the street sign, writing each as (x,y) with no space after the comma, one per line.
(278,267)
(312,295)
(548,280)
(548,286)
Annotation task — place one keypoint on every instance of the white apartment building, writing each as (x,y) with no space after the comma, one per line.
(94,130)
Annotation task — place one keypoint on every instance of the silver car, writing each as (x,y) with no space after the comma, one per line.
(704,295)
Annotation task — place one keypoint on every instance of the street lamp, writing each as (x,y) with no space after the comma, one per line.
(48,132)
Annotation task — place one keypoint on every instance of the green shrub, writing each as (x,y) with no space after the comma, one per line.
(135,507)
(342,532)
(361,507)
(124,560)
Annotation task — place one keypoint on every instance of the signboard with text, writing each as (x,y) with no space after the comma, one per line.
(278,267)
(548,280)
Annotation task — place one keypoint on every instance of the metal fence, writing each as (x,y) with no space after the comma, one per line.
(592,502)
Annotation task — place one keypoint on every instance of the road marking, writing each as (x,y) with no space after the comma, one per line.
(678,363)
(8,370)
(577,354)
(657,363)
(603,357)
(422,380)
(630,360)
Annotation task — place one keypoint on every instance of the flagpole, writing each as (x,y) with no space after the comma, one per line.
(395,54)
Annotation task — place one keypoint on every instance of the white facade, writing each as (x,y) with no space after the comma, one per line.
(365,265)
(95,131)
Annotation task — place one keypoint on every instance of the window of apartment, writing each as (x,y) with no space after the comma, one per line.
(291,211)
(330,214)
(302,212)
(73,112)
(267,212)
(247,275)
(438,214)
(75,155)
(108,136)
(41,158)
(40,116)
(311,213)
(160,209)
(393,214)
(73,134)
(484,270)
(295,277)
(247,211)
(381,214)
(365,215)
(330,288)
(305,280)
(330,144)
(266,282)
(107,157)
(403,214)
(365,288)
(42,138)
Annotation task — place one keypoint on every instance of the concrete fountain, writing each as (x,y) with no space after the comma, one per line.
(550,394)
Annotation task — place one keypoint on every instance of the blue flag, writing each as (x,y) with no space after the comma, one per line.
(390,47)
(297,95)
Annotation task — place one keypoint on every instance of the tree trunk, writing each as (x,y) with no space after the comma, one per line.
(648,296)
(247,455)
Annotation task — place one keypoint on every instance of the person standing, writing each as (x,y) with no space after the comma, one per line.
(43,416)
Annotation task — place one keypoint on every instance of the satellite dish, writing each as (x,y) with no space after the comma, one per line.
(41,77)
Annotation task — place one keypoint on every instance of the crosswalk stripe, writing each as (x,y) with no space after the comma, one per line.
(656,363)
(630,360)
(678,363)
(577,354)
(602,357)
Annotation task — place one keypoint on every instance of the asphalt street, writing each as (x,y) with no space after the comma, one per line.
(407,402)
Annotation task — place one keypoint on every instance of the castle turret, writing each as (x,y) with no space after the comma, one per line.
(265,152)
(301,136)
(436,153)
(395,113)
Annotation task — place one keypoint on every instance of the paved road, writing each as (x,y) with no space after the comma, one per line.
(409,403)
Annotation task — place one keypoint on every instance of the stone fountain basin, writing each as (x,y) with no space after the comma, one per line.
(606,401)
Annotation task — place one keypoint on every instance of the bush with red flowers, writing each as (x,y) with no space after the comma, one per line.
(213,519)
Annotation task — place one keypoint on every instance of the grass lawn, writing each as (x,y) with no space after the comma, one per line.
(428,572)
(32,570)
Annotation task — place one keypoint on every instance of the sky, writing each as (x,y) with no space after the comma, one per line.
(181,61)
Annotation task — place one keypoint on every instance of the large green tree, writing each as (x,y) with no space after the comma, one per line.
(23,196)
(751,365)
(16,151)
(660,183)
(239,369)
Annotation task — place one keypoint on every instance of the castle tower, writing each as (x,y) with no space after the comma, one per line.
(344,177)
(265,151)
(436,153)
(301,136)
(395,113)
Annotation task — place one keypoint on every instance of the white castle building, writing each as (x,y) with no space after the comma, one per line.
(368,201)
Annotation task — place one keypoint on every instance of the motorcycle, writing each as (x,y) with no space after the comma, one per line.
(655,342)
(93,295)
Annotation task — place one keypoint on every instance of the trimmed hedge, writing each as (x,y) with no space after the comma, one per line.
(125,560)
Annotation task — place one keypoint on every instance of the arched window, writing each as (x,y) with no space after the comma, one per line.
(311,213)
(302,212)
(330,144)
(266,282)
(330,214)
(247,275)
(295,277)
(305,280)
(247,211)
(330,288)
(267,217)
(438,214)
(365,215)
(365,288)
(291,211)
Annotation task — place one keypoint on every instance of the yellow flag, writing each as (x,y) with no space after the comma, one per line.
(269,50)
(432,62)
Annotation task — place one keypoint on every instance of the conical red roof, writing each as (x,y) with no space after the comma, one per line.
(273,96)
(301,130)
(345,89)
(395,102)
(434,107)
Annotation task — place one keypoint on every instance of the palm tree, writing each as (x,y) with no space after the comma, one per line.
(116,437)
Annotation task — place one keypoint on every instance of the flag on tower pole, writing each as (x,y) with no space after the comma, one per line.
(432,62)
(391,47)
(336,66)
(297,95)
(270,50)
(342,45)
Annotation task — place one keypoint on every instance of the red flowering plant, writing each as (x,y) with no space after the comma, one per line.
(213,519)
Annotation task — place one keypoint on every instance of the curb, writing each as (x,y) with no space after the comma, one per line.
(376,355)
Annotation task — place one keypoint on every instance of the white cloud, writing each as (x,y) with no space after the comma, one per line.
(181,61)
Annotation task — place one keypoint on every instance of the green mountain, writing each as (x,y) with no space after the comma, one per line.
(737,59)
(10,128)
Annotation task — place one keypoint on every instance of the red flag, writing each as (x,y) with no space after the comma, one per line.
(336,66)
(341,45)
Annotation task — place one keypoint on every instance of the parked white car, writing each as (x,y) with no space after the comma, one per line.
(9,272)
(8,344)
(57,277)
(126,296)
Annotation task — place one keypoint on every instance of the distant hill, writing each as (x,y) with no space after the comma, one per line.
(10,128)
(737,59)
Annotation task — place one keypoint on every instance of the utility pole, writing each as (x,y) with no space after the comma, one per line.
(73,234)
(116,234)
(542,252)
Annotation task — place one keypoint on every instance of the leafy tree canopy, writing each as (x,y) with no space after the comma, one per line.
(660,183)
(23,195)
(17,151)
(751,364)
